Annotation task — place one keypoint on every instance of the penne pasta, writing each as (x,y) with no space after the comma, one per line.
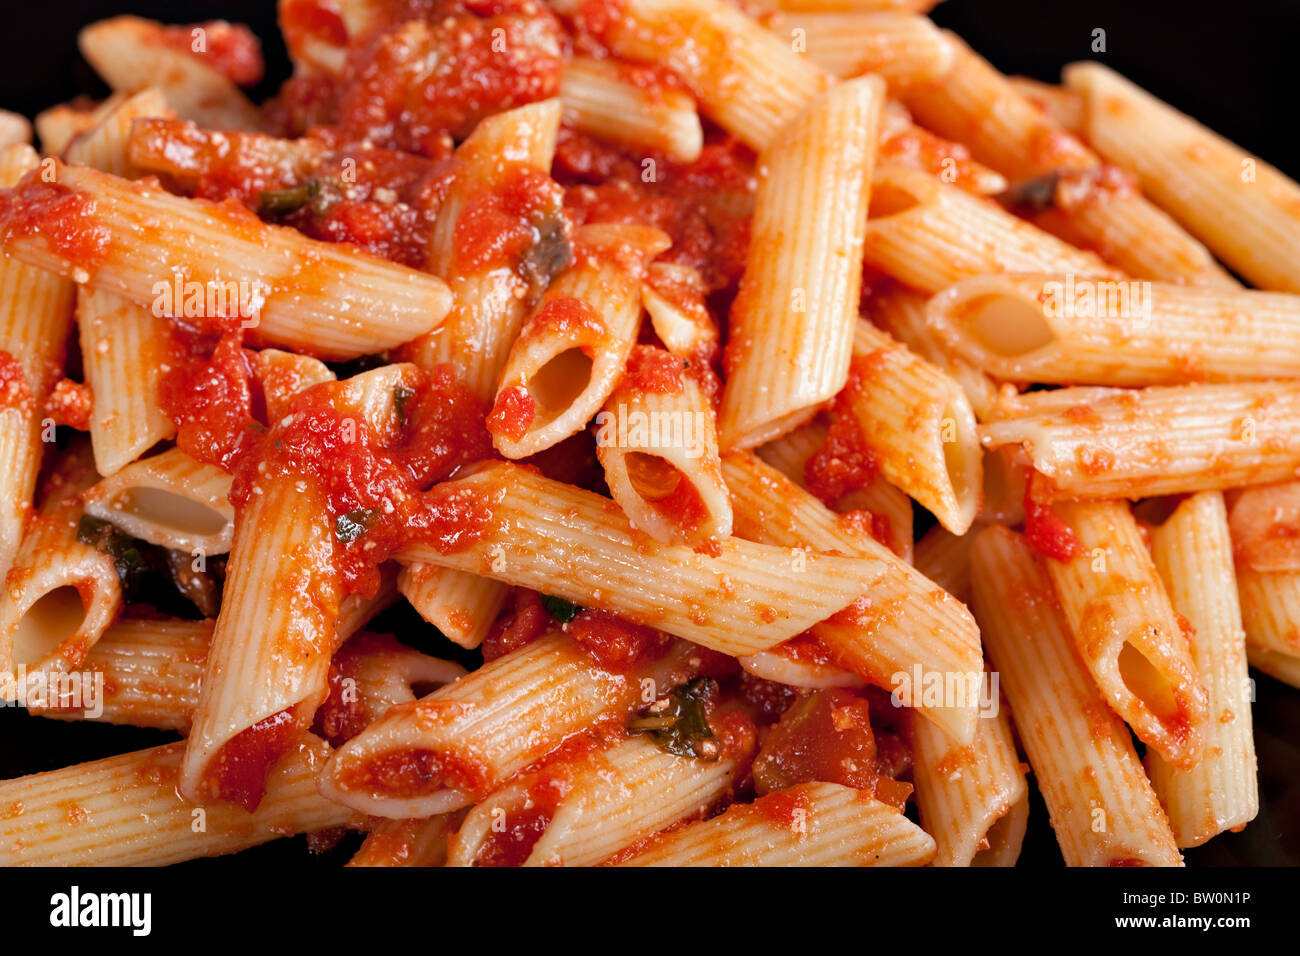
(657,443)
(929,234)
(461,605)
(1128,634)
(104,145)
(1102,806)
(1205,181)
(1116,443)
(169,500)
(898,47)
(798,298)
(1058,329)
(125,351)
(131,53)
(571,352)
(1193,554)
(918,424)
(579,811)
(406,842)
(814,824)
(130,812)
(901,624)
(748,81)
(548,536)
(140,242)
(973,800)
(601,100)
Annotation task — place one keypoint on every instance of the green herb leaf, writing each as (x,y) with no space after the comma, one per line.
(129,560)
(679,723)
(561,611)
(280,202)
(354,524)
(402,395)
(1031,195)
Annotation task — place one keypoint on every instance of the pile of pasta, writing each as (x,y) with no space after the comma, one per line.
(606,346)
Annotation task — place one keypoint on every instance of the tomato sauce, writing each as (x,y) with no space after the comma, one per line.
(614,643)
(237,773)
(231,49)
(14,390)
(500,225)
(1045,533)
(843,463)
(512,413)
(63,217)
(527,621)
(703,206)
(826,737)
(374,480)
(71,404)
(216,404)
(651,369)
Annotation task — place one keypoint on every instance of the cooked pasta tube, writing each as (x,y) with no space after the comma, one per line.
(490,294)
(459,604)
(1080,201)
(131,53)
(35,318)
(1128,634)
(541,534)
(406,842)
(601,100)
(1056,328)
(918,423)
(973,800)
(61,593)
(458,744)
(1118,443)
(104,145)
(1193,553)
(812,824)
(1245,210)
(125,350)
(169,500)
(902,623)
(579,811)
(890,509)
(570,354)
(791,325)
(1102,807)
(130,811)
(901,312)
(657,442)
(929,234)
(900,48)
(140,242)
(750,82)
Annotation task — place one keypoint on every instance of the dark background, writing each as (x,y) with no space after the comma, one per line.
(1233,67)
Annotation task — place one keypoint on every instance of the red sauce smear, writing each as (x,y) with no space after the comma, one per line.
(71,404)
(500,225)
(231,49)
(524,623)
(826,737)
(63,217)
(651,369)
(512,413)
(616,644)
(237,773)
(14,390)
(1046,533)
(216,404)
(843,463)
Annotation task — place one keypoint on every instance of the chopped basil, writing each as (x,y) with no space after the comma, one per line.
(561,611)
(679,723)
(128,559)
(354,524)
(280,202)
(402,395)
